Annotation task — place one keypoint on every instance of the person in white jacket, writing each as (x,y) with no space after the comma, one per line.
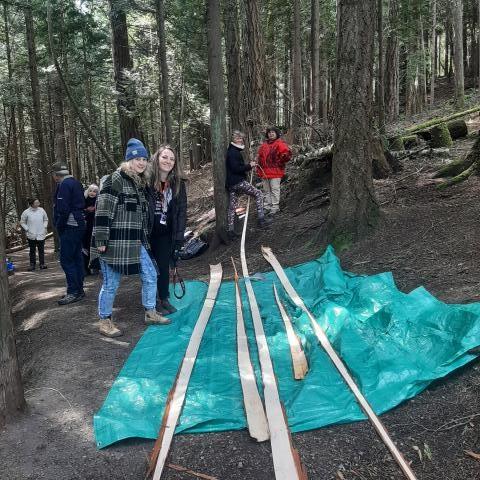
(34,221)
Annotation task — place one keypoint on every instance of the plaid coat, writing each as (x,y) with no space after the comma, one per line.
(121,222)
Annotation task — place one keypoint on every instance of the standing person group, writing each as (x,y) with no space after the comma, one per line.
(34,221)
(272,156)
(125,233)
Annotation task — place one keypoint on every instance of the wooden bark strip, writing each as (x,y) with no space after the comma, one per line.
(177,393)
(254,411)
(186,470)
(325,343)
(286,461)
(300,365)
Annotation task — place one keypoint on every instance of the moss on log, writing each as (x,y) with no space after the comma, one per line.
(436,121)
(396,144)
(410,141)
(440,136)
(457,128)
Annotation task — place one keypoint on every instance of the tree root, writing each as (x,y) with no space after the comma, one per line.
(458,178)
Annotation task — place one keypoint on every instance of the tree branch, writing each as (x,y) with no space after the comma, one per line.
(68,92)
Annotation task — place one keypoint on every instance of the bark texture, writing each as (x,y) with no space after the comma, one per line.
(217,114)
(353,205)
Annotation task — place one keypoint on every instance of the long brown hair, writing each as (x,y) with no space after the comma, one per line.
(175,176)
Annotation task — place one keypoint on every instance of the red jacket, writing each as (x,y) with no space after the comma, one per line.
(272,157)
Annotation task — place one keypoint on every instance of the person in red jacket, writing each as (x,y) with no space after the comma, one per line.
(272,156)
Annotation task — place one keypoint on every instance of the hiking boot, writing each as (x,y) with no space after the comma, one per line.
(168,306)
(152,317)
(31,268)
(264,222)
(108,328)
(70,298)
(43,267)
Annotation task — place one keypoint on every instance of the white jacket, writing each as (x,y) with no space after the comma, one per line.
(34,222)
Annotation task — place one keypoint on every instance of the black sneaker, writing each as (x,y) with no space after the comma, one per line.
(32,267)
(43,267)
(161,309)
(168,306)
(70,298)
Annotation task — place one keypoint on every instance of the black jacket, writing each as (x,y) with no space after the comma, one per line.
(236,167)
(176,214)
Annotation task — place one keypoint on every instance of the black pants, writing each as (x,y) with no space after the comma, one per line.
(161,249)
(40,245)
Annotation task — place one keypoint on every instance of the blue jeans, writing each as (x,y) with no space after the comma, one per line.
(111,281)
(71,258)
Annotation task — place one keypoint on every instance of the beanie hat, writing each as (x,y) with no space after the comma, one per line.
(135,148)
(60,169)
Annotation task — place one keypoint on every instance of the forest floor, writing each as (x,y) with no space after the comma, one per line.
(425,237)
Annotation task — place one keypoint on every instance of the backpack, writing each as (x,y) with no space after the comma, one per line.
(193,248)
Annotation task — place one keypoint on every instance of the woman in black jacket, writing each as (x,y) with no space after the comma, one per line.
(168,216)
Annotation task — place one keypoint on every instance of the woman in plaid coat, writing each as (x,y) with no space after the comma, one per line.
(120,237)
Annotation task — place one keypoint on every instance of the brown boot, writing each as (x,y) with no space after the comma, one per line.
(152,317)
(108,328)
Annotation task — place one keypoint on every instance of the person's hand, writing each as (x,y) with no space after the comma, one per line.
(90,209)
(102,249)
(253,164)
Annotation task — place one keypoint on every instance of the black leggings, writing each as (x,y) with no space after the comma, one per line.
(161,249)
(40,245)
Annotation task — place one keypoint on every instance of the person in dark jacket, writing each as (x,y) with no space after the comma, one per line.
(90,201)
(68,219)
(168,214)
(236,182)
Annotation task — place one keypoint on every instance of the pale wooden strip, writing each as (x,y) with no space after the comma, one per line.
(286,461)
(379,427)
(254,411)
(300,365)
(177,394)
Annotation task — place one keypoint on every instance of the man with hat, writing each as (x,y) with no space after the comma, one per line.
(68,219)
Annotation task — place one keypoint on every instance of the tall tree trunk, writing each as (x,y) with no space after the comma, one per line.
(286,119)
(44,183)
(380,87)
(122,61)
(180,117)
(255,70)
(232,60)
(422,78)
(13,140)
(298,116)
(457,15)
(60,146)
(217,114)
(24,164)
(270,68)
(353,206)
(433,51)
(163,68)
(315,60)
(392,65)
(11,389)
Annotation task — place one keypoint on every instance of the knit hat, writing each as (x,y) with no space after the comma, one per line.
(135,148)
(60,169)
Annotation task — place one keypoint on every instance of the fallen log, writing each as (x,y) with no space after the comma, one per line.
(339,365)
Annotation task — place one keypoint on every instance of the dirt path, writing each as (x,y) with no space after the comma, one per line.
(425,237)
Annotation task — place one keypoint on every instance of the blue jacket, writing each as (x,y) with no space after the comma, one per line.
(68,204)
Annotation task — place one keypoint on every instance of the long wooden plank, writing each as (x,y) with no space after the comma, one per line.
(299,362)
(379,427)
(286,461)
(177,394)
(254,411)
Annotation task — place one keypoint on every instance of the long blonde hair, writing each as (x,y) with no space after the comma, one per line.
(175,176)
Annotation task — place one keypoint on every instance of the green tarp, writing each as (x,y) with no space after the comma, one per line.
(393,343)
